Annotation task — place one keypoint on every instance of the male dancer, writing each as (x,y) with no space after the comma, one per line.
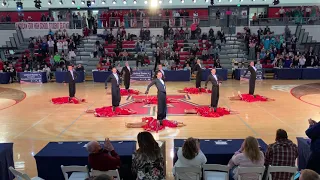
(213,78)
(127,72)
(162,96)
(71,77)
(253,77)
(199,72)
(115,89)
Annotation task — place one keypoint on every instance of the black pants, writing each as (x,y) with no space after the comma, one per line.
(126,83)
(72,89)
(198,81)
(162,106)
(313,162)
(116,98)
(137,63)
(215,97)
(155,65)
(252,85)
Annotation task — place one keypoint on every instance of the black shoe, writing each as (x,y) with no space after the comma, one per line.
(215,109)
(160,121)
(113,108)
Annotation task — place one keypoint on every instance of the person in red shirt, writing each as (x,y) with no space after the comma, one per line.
(121,19)
(103,159)
(104,18)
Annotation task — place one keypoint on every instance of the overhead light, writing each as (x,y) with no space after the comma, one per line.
(83,2)
(89,3)
(194,1)
(134,1)
(160,1)
(145,2)
(19,5)
(124,2)
(170,1)
(93,2)
(73,2)
(103,2)
(37,4)
(276,2)
(4,3)
(114,2)
(182,1)
(60,2)
(207,1)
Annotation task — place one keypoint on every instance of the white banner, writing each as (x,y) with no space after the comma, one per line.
(42,25)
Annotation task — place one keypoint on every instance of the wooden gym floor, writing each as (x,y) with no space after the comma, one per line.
(30,120)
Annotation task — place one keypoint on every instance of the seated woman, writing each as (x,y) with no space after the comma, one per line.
(190,155)
(249,155)
(151,124)
(249,98)
(206,111)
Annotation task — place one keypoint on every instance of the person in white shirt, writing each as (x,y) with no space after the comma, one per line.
(65,45)
(302,61)
(47,70)
(281,13)
(308,11)
(195,17)
(51,46)
(258,65)
(60,46)
(190,155)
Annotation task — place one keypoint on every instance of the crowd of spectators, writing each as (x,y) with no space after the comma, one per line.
(299,14)
(278,50)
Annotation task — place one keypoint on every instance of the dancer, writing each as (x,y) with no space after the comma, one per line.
(71,77)
(115,89)
(249,98)
(162,96)
(126,72)
(198,69)
(151,124)
(253,77)
(213,78)
(207,112)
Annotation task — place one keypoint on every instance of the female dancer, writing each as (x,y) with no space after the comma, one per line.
(151,124)
(209,112)
(249,98)
(65,100)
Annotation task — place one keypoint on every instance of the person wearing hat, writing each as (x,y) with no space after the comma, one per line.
(114,78)
(71,77)
(213,78)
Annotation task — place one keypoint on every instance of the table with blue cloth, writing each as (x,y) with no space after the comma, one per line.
(303,151)
(4,78)
(216,153)
(61,76)
(223,73)
(55,154)
(100,76)
(311,73)
(32,77)
(179,75)
(6,160)
(240,72)
(288,73)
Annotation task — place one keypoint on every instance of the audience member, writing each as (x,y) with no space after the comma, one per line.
(308,174)
(313,132)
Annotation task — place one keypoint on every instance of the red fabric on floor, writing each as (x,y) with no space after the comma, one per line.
(107,111)
(154,124)
(65,100)
(209,112)
(124,92)
(193,90)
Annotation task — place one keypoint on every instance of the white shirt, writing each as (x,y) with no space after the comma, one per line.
(51,43)
(215,77)
(308,9)
(200,65)
(65,45)
(59,45)
(117,78)
(128,68)
(72,74)
(162,71)
(162,83)
(281,11)
(255,69)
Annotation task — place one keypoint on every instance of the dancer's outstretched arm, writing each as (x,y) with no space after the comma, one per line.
(153,82)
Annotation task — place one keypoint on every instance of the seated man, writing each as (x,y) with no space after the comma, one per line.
(281,153)
(308,174)
(102,159)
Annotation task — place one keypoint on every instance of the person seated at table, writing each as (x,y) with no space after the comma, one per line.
(313,132)
(79,67)
(281,153)
(249,155)
(190,155)
(103,159)
(148,162)
(27,68)
(308,174)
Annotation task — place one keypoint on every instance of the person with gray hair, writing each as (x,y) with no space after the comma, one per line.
(102,159)
(308,174)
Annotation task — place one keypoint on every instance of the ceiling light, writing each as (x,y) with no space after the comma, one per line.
(103,2)
(134,2)
(160,1)
(49,2)
(170,1)
(114,2)
(73,2)
(207,1)
(182,1)
(60,2)
(124,2)
(194,1)
(145,2)
(4,3)
(19,5)
(83,2)
(93,2)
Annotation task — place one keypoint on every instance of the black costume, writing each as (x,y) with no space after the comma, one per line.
(215,90)
(126,72)
(115,89)
(252,80)
(198,76)
(162,98)
(72,82)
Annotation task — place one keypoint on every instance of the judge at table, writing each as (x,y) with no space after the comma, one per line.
(71,77)
(126,72)
(115,88)
(213,78)
(161,95)
(198,69)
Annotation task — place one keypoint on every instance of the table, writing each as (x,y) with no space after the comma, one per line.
(217,154)
(4,78)
(61,76)
(6,160)
(179,75)
(55,154)
(240,72)
(223,73)
(303,151)
(287,73)
(100,76)
(33,77)
(311,73)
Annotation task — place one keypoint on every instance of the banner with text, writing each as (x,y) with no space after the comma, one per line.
(260,74)
(32,77)
(141,75)
(42,25)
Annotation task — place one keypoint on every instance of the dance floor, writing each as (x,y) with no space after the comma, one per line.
(30,120)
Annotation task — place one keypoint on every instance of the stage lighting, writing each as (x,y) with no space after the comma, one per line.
(134,1)
(60,2)
(73,2)
(49,2)
(182,1)
(276,2)
(170,1)
(114,2)
(124,2)
(103,2)
(145,2)
(19,5)
(83,2)
(160,1)
(89,3)
(194,1)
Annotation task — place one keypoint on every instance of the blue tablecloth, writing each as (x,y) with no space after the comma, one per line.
(303,151)
(6,160)
(4,78)
(53,155)
(33,77)
(217,154)
(61,76)
(240,72)
(179,75)
(223,73)
(288,73)
(309,73)
(100,76)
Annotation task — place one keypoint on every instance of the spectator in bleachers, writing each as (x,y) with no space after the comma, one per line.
(51,46)
(48,71)
(148,162)
(79,67)
(281,153)
(139,59)
(103,159)
(57,59)
(177,58)
(60,46)
(27,68)
(308,174)
(217,64)
(198,32)
(143,46)
(137,46)
(31,48)
(258,65)
(10,69)
(287,62)
(313,132)
(171,33)
(153,41)
(124,55)
(166,31)
(249,155)
(190,155)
